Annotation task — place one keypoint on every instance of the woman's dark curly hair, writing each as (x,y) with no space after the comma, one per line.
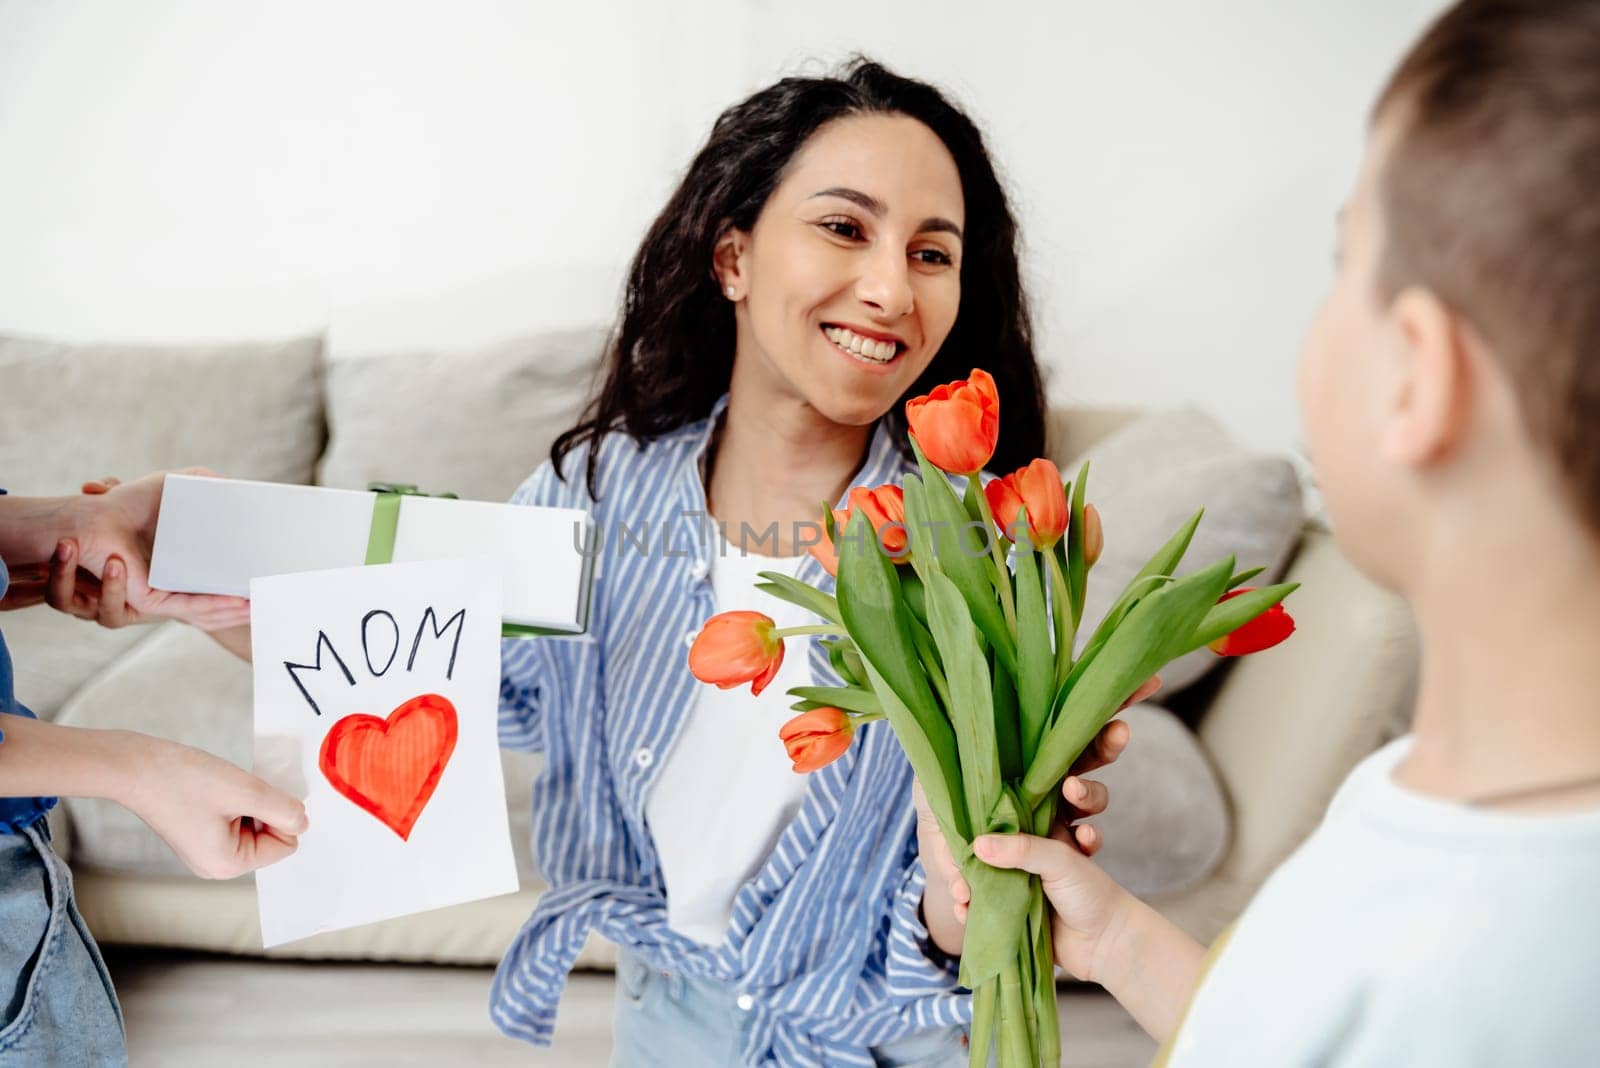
(671,356)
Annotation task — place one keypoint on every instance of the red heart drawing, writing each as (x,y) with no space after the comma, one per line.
(390,767)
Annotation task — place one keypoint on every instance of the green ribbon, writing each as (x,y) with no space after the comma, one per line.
(380,536)
(380,540)
(386,517)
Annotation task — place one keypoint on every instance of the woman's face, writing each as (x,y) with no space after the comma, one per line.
(851,277)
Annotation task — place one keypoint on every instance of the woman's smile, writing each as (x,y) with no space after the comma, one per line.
(872,351)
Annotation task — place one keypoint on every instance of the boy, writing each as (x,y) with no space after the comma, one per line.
(1444,913)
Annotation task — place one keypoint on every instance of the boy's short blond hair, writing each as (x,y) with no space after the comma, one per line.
(1491,199)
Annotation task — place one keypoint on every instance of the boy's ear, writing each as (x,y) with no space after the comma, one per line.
(727,261)
(1430,408)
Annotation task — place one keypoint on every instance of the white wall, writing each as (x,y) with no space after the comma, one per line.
(416,173)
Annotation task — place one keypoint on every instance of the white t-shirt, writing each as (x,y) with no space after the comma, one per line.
(727,789)
(1413,931)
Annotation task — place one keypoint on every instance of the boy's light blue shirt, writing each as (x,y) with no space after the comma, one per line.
(826,949)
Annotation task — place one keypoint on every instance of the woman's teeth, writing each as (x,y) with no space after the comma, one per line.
(864,347)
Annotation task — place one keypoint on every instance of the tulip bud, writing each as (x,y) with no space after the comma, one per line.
(1094,536)
(817,738)
(734,648)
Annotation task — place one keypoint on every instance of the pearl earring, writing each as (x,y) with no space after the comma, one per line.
(732,292)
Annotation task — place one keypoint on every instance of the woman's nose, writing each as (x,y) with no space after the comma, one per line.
(885,285)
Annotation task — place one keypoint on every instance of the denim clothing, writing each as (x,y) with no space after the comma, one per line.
(666,1018)
(15,812)
(57,1006)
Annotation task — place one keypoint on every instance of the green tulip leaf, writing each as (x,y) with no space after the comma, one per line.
(1036,661)
(997,918)
(971,703)
(961,552)
(875,616)
(1244,576)
(849,698)
(1160,627)
(788,588)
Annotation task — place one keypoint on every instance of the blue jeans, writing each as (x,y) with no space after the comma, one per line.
(56,1001)
(669,1020)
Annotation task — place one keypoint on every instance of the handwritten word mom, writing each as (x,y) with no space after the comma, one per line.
(381,633)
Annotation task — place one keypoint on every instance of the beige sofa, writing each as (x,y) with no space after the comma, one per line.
(1279,730)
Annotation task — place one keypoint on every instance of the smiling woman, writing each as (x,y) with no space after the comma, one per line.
(885,195)
(837,246)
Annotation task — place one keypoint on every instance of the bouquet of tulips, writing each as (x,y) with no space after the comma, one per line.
(955,618)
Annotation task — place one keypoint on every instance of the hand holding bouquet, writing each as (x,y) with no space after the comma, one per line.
(955,618)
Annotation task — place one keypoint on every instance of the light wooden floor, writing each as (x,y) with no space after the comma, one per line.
(189,1010)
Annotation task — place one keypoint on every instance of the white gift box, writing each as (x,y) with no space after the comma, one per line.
(214,535)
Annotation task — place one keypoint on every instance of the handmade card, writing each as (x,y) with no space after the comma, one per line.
(376,701)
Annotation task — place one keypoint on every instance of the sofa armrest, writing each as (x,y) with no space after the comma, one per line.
(1285,727)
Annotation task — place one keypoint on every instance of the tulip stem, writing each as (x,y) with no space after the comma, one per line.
(930,663)
(819,628)
(1061,613)
(1003,579)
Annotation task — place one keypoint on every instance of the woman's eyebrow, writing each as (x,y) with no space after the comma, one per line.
(875,207)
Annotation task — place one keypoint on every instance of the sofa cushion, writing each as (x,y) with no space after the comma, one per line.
(54,654)
(249,410)
(1168,822)
(474,423)
(1150,476)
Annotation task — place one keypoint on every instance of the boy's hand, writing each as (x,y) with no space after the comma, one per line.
(1085,798)
(947,893)
(116,531)
(220,820)
(1086,904)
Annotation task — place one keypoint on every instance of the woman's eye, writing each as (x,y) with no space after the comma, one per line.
(934,256)
(842,228)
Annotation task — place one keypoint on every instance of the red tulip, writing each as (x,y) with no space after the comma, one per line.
(886,511)
(817,738)
(957,425)
(826,553)
(734,648)
(1263,632)
(1038,487)
(886,508)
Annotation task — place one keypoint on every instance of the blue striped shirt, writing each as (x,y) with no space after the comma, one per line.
(826,939)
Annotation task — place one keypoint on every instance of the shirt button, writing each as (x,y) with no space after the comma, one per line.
(688,639)
(644,758)
(745,1002)
(699,570)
